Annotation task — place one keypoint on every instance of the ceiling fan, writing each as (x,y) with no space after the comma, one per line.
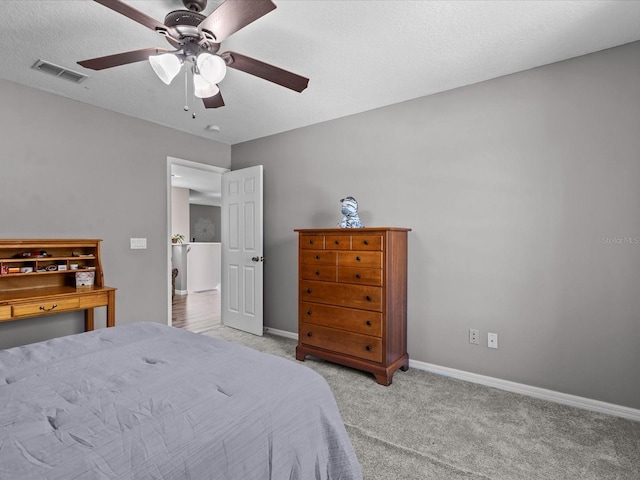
(196,41)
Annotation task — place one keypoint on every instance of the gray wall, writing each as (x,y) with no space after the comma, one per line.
(197,212)
(72,170)
(523,195)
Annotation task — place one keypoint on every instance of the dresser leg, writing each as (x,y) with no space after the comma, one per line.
(405,366)
(384,379)
(386,376)
(300,355)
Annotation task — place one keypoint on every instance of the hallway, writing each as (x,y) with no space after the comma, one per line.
(197,312)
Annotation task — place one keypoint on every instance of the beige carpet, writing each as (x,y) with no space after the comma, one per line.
(426,426)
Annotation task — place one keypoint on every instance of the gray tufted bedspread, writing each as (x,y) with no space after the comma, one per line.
(147,401)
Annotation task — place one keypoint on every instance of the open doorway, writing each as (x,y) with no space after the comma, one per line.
(193,214)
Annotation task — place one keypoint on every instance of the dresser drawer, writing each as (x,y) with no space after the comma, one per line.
(5,312)
(44,307)
(337,242)
(312,241)
(366,242)
(360,259)
(325,273)
(342,294)
(354,344)
(362,276)
(358,321)
(317,257)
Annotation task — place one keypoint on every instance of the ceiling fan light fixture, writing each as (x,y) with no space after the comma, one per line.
(166,66)
(202,88)
(212,67)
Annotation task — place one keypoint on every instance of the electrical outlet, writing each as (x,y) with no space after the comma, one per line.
(492,340)
(138,243)
(474,336)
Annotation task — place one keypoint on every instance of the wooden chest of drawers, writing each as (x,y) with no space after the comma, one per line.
(352,301)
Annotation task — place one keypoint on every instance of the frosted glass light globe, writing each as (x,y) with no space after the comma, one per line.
(211,67)
(202,88)
(166,66)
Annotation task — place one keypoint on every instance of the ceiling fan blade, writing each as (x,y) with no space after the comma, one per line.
(133,14)
(124,58)
(214,102)
(265,71)
(232,15)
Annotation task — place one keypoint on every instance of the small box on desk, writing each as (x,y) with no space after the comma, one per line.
(85,279)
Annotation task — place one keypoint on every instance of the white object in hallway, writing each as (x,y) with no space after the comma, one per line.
(203,266)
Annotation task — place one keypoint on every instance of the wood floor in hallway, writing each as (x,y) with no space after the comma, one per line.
(197,312)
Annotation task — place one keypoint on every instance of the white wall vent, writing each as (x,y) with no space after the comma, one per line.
(59,71)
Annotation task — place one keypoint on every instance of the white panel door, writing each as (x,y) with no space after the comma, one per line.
(242,254)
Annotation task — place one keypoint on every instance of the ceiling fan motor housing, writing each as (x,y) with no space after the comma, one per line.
(183,18)
(183,31)
(195,5)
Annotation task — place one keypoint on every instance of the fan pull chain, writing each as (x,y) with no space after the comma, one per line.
(186,88)
(193,96)
(186,93)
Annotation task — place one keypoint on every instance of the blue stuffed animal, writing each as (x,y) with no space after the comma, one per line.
(350,212)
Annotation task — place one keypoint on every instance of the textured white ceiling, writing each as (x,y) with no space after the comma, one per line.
(359,55)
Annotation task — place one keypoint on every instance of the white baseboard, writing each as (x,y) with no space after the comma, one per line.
(281,333)
(536,392)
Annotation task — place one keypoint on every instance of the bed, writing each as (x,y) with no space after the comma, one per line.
(147,401)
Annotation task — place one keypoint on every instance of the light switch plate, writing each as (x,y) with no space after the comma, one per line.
(138,243)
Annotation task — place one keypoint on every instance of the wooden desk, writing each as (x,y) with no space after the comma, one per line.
(20,304)
(38,277)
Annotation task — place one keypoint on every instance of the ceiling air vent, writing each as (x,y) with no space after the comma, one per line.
(59,71)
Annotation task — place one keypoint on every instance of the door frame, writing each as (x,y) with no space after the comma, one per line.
(187,163)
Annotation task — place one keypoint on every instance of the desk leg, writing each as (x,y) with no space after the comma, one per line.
(111,309)
(88,319)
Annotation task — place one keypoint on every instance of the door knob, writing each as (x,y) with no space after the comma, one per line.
(257,259)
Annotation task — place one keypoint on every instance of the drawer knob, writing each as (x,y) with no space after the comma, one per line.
(48,309)
(317,257)
(310,242)
(357,259)
(368,323)
(308,290)
(368,298)
(309,312)
(337,242)
(368,347)
(317,272)
(309,334)
(358,275)
(366,242)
